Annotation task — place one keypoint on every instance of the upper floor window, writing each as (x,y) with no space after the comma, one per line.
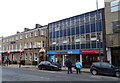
(26,36)
(16,37)
(36,33)
(115,6)
(116,26)
(13,39)
(20,36)
(42,32)
(31,34)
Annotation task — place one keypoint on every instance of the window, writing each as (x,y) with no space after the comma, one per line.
(31,34)
(87,38)
(26,36)
(36,33)
(42,32)
(30,46)
(26,57)
(16,37)
(92,27)
(116,26)
(20,36)
(93,37)
(30,58)
(35,57)
(20,46)
(115,5)
(13,39)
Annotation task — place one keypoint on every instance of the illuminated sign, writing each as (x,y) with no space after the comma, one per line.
(64,52)
(90,51)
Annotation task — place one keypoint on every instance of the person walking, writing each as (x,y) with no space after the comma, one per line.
(68,64)
(78,66)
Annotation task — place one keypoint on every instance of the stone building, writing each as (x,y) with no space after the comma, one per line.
(112,16)
(28,46)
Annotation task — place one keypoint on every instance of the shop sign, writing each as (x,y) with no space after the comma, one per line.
(64,52)
(90,51)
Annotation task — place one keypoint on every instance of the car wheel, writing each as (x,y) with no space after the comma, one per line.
(40,68)
(94,72)
(117,74)
(51,69)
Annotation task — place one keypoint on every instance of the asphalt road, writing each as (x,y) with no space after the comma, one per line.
(26,74)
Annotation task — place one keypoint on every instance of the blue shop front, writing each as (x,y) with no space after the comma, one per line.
(61,56)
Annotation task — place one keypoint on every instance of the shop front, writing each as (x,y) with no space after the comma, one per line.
(90,56)
(61,56)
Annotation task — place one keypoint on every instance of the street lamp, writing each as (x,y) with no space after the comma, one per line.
(98,35)
(21,51)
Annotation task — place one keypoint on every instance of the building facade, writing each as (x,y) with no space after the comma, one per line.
(78,38)
(0,49)
(28,46)
(112,16)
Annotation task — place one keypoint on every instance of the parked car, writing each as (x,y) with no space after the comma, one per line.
(48,66)
(104,68)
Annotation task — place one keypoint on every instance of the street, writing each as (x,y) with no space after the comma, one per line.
(26,74)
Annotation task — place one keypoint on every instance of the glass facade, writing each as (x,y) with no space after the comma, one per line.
(77,32)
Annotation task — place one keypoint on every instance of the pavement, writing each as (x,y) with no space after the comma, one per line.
(87,70)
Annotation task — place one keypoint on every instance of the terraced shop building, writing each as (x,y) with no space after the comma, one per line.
(28,46)
(112,16)
(77,38)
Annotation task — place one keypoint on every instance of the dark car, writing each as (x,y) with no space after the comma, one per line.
(48,66)
(104,68)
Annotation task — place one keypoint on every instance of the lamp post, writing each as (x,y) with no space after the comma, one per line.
(98,35)
(21,51)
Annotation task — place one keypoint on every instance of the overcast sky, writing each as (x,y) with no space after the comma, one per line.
(15,15)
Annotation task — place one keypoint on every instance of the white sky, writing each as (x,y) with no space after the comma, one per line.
(15,15)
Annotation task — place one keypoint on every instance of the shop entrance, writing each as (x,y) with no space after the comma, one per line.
(115,56)
(88,59)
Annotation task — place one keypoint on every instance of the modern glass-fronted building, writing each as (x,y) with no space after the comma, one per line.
(78,37)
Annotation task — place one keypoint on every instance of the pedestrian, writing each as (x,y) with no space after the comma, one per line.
(78,67)
(68,64)
(7,61)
